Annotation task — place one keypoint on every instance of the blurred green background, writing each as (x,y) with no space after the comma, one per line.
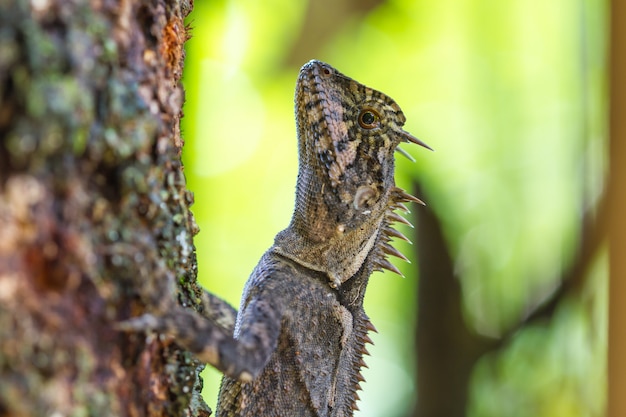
(511,95)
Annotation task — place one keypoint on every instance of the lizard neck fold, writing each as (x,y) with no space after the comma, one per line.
(340,257)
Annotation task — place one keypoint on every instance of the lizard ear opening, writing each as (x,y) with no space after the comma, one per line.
(412,139)
(365,197)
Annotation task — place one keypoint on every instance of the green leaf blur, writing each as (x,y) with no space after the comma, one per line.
(509,94)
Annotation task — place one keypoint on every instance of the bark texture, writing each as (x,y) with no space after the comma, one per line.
(94,212)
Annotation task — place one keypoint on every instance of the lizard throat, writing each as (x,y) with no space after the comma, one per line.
(339,258)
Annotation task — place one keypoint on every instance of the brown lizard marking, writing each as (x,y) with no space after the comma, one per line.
(297,346)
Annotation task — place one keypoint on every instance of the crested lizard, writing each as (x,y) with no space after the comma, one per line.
(297,345)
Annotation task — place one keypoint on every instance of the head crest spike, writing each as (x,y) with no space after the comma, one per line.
(391,232)
(370,326)
(399,195)
(359,378)
(390,250)
(401,207)
(385,264)
(367,339)
(412,139)
(405,154)
(395,217)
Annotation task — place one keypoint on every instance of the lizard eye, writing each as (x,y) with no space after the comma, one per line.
(369,118)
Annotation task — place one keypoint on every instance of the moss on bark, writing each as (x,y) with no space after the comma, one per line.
(94,212)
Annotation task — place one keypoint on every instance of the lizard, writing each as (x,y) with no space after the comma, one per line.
(296,345)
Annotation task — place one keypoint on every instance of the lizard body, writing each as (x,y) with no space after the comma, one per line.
(297,346)
(313,279)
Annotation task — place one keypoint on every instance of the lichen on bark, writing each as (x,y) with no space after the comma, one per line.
(94,212)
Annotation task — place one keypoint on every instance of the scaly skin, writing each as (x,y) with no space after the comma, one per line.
(300,334)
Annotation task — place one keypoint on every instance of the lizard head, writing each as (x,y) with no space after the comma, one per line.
(346,193)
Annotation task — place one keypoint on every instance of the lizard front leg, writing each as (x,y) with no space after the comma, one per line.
(218,311)
(210,337)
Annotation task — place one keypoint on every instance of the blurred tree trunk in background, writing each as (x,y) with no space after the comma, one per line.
(617,213)
(94,219)
(446,349)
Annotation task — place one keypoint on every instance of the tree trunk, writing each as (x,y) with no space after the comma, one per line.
(94,213)
(446,349)
(617,215)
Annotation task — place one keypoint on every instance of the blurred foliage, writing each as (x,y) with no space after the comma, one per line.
(509,94)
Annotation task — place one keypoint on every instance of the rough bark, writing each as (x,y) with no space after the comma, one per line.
(94,213)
